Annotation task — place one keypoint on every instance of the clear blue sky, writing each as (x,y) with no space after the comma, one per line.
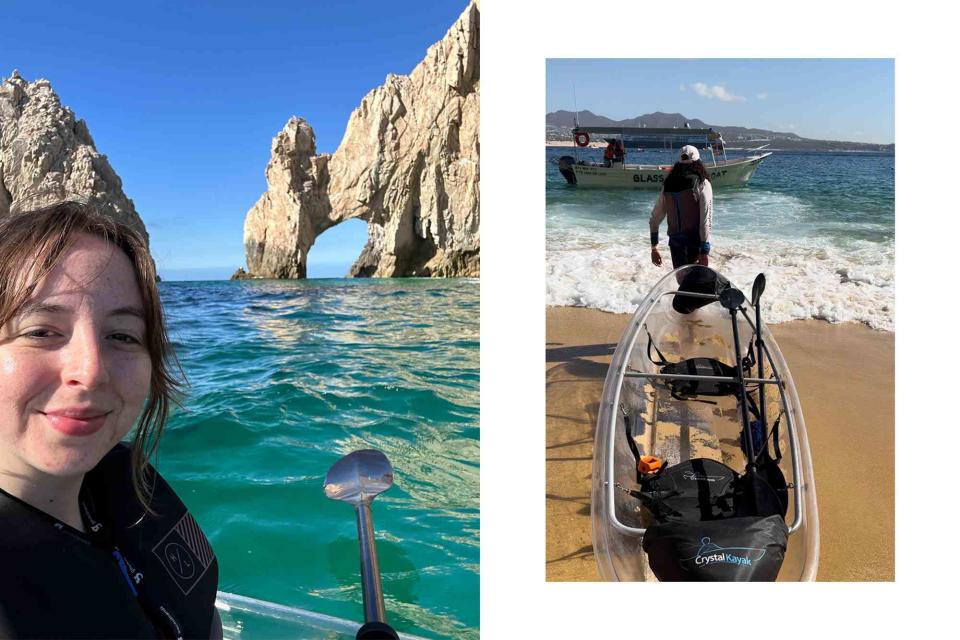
(826,99)
(185,97)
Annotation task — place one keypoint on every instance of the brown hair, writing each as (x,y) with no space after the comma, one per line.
(33,242)
(696,167)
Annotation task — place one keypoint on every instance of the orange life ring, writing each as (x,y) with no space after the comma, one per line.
(581,139)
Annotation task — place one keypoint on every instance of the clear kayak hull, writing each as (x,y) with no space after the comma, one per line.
(677,429)
(245,617)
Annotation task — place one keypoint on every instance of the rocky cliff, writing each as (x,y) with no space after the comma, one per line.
(408,165)
(47,155)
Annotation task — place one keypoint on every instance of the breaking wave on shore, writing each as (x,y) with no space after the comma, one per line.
(826,247)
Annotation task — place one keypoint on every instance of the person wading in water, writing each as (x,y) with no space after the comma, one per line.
(686,201)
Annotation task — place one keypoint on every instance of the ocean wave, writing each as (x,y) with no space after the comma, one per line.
(806,278)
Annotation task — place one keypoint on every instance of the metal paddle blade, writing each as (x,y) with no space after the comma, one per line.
(759,284)
(359,477)
(731,298)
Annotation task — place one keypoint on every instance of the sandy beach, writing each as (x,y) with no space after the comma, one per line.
(845,377)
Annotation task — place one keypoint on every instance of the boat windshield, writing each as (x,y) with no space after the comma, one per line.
(655,138)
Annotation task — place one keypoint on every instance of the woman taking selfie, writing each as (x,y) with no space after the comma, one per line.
(93,542)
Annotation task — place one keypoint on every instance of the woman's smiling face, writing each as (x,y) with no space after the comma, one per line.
(74,371)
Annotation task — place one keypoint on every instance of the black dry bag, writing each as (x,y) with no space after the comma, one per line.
(749,549)
(699,279)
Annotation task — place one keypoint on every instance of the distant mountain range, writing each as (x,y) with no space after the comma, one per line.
(560,125)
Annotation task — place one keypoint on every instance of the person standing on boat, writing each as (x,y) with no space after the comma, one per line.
(610,153)
(686,201)
(618,152)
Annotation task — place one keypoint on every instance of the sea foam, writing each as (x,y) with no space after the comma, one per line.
(805,278)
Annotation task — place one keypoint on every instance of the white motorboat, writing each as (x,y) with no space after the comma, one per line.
(615,174)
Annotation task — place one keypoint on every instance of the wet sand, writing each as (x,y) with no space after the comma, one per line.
(845,377)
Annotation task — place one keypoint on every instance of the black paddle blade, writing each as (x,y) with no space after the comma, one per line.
(731,298)
(759,284)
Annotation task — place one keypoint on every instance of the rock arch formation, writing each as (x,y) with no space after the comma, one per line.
(408,165)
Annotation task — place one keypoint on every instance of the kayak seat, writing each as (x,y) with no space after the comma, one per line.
(695,490)
(703,489)
(701,367)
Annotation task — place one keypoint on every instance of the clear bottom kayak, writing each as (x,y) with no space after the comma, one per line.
(673,481)
(245,617)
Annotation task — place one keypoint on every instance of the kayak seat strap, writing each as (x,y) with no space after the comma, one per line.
(628,428)
(650,345)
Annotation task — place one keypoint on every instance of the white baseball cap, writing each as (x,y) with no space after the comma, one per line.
(691,154)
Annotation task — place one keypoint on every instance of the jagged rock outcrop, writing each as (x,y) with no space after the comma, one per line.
(240,274)
(48,155)
(282,225)
(408,164)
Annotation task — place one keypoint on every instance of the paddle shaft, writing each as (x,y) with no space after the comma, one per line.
(744,417)
(763,399)
(373,608)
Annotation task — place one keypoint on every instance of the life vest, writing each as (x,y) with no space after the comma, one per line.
(682,193)
(134,575)
(608,153)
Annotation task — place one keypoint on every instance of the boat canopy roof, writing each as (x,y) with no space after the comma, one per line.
(709,135)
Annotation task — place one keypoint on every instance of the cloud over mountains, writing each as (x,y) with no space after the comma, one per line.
(712,92)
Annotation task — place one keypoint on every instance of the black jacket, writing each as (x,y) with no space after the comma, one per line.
(132,576)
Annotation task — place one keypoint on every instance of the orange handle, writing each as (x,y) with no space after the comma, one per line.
(649,464)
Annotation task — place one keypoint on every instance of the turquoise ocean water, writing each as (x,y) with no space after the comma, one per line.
(286,377)
(819,225)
